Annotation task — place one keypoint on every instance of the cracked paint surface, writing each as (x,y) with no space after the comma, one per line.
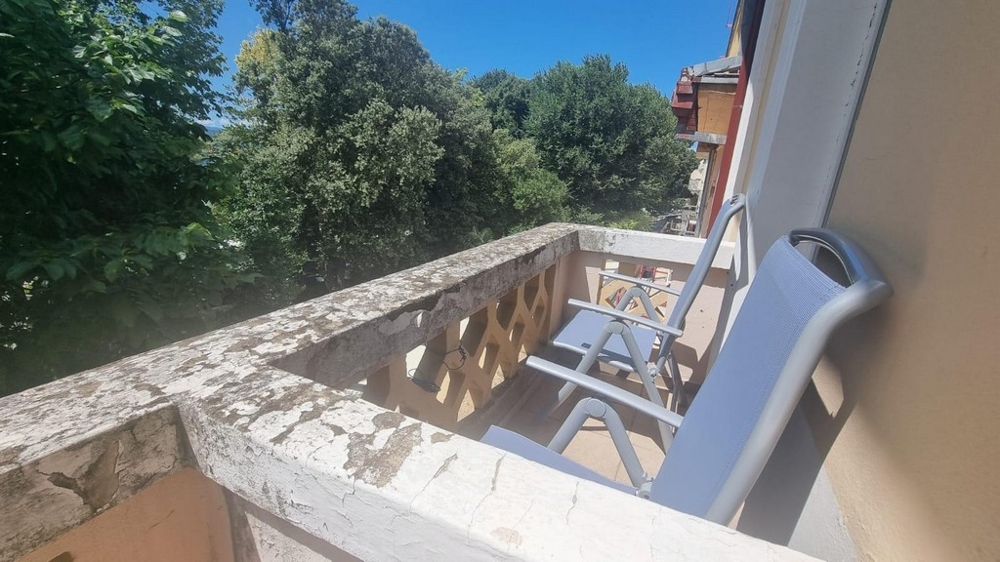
(245,405)
(47,496)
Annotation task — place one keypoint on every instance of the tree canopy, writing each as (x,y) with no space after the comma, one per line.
(611,141)
(361,155)
(107,244)
(506,96)
(350,154)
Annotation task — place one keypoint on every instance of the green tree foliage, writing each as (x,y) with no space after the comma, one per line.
(532,194)
(361,156)
(506,96)
(353,155)
(612,142)
(108,245)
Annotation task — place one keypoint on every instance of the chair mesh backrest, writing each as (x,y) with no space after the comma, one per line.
(784,295)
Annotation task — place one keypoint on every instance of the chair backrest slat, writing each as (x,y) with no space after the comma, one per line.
(696,279)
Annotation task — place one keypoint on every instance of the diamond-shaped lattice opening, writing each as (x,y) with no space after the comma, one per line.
(508,364)
(479,396)
(475,330)
(506,308)
(538,315)
(451,388)
(531,289)
(430,367)
(498,378)
(490,357)
(523,351)
(376,387)
(517,336)
(517,332)
(467,407)
(550,280)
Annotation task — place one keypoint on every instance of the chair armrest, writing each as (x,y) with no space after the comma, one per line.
(640,282)
(619,395)
(614,313)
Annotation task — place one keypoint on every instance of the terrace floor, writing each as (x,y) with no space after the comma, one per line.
(592,446)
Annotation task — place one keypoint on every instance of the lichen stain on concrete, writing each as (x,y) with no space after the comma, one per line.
(357,446)
(336,429)
(150,388)
(425,304)
(270,400)
(10,454)
(87,389)
(189,363)
(98,485)
(386,420)
(528,258)
(379,466)
(244,344)
(439,437)
(507,536)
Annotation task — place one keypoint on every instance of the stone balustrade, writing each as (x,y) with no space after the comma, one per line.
(469,359)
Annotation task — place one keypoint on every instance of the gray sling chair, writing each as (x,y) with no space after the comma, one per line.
(724,441)
(625,341)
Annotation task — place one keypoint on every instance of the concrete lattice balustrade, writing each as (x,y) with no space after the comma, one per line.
(306,470)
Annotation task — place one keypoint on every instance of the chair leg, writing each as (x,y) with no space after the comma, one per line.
(639,364)
(583,366)
(643,296)
(598,409)
(570,427)
(653,393)
(678,399)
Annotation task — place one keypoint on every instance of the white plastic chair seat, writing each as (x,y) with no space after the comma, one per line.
(578,334)
(526,448)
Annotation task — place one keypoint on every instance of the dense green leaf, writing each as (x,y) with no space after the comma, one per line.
(17,271)
(113,269)
(54,270)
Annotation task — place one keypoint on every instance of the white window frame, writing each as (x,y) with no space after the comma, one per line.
(809,70)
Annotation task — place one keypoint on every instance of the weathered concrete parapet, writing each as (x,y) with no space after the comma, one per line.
(44,498)
(234,404)
(400,311)
(649,247)
(385,487)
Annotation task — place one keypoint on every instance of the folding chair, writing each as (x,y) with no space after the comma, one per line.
(628,343)
(726,437)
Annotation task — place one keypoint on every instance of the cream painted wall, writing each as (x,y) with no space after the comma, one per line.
(908,403)
(181,517)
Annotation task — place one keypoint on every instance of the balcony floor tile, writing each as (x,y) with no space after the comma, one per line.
(592,447)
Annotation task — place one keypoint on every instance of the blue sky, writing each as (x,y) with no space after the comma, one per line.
(655,38)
